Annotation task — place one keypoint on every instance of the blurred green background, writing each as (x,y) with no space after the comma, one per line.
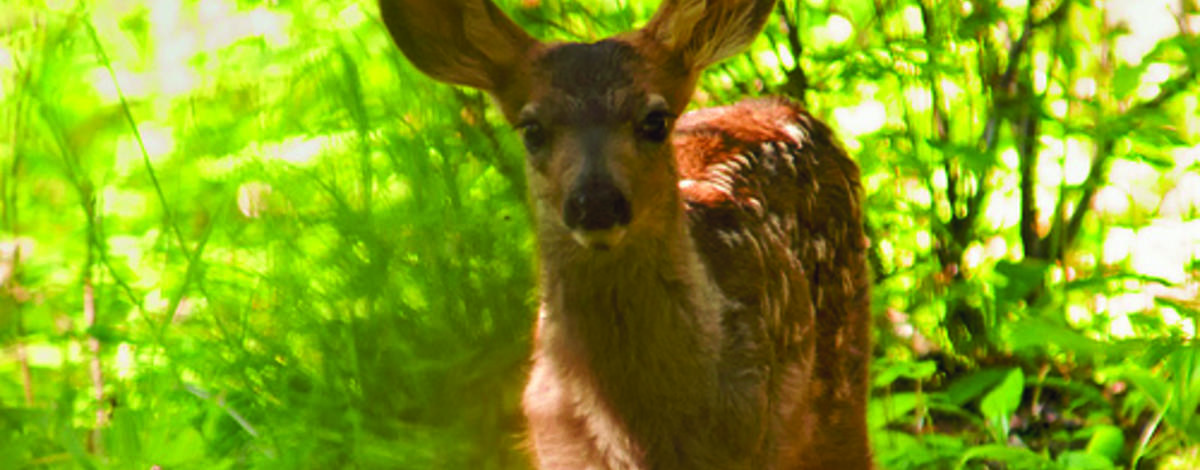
(240,234)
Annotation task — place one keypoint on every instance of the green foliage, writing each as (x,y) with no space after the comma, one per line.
(999,405)
(240,235)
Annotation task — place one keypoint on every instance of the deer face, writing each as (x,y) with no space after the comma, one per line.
(597,132)
(596,118)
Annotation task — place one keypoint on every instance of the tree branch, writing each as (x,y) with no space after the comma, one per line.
(1026,126)
(1025,130)
(96,371)
(797,80)
(1098,171)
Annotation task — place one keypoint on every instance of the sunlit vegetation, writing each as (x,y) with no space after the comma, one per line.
(249,235)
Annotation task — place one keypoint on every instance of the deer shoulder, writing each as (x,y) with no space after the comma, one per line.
(773,203)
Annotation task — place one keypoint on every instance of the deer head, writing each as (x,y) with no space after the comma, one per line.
(596,118)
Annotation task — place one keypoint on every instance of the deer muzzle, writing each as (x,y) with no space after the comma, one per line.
(597,213)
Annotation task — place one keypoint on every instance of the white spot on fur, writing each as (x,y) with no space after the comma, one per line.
(724,185)
(797,133)
(771,154)
(821,247)
(742,162)
(847,282)
(730,238)
(789,157)
(755,206)
(785,297)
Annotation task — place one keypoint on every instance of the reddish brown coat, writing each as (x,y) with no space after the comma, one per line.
(774,204)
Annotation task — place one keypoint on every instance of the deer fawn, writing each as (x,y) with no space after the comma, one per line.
(703,285)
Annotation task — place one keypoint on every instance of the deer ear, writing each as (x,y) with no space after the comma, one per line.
(464,42)
(704,32)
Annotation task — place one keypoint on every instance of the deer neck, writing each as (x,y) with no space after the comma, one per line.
(639,323)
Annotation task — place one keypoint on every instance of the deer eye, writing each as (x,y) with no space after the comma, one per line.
(655,126)
(533,134)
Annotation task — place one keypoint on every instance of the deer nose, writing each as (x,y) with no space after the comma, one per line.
(596,205)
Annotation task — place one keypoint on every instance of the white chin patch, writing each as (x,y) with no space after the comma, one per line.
(599,239)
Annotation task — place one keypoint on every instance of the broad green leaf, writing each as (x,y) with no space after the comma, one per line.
(178,449)
(1184,369)
(1020,278)
(972,385)
(1107,441)
(1033,334)
(1126,80)
(1075,460)
(999,405)
(910,370)
(890,408)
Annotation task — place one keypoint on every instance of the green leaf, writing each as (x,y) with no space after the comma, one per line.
(1019,279)
(1106,441)
(1076,460)
(910,370)
(1016,456)
(1126,79)
(972,385)
(1099,281)
(1179,306)
(999,405)
(1066,52)
(184,446)
(123,435)
(884,410)
(1158,132)
(1184,369)
(1033,334)
(897,449)
(107,334)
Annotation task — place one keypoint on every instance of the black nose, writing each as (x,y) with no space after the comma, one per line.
(596,206)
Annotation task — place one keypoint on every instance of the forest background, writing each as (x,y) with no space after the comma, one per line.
(241,234)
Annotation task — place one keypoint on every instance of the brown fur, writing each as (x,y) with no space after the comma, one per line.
(728,328)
